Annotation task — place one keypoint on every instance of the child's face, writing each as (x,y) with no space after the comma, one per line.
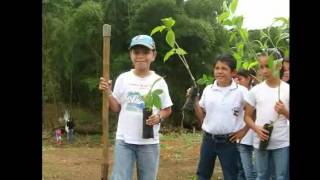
(286,66)
(263,67)
(286,76)
(142,57)
(223,73)
(244,81)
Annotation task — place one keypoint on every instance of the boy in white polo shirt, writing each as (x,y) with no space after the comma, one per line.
(264,98)
(221,109)
(127,98)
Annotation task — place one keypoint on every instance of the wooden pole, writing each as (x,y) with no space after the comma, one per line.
(105,102)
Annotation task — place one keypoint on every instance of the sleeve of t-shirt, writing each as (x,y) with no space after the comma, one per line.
(118,89)
(244,92)
(203,97)
(165,96)
(250,98)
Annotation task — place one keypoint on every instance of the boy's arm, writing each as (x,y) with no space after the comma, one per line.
(200,113)
(248,118)
(106,85)
(113,103)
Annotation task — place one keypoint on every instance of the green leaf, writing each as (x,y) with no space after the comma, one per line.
(233,5)
(158,28)
(168,22)
(201,81)
(238,21)
(237,56)
(180,51)
(156,101)
(168,54)
(263,35)
(170,38)
(233,35)
(227,22)
(223,16)
(270,63)
(238,59)
(157,92)
(286,53)
(238,64)
(282,19)
(245,65)
(259,42)
(147,101)
(243,34)
(253,64)
(283,36)
(205,80)
(240,46)
(225,7)
(210,80)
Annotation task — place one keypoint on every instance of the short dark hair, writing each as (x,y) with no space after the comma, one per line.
(243,72)
(228,59)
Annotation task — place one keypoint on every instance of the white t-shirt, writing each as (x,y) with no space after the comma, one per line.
(128,91)
(248,138)
(264,98)
(223,107)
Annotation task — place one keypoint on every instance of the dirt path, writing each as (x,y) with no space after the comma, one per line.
(178,160)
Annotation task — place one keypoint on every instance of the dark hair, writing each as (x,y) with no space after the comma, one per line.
(275,53)
(228,59)
(282,68)
(247,73)
(243,72)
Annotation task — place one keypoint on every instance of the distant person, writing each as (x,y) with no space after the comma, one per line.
(69,129)
(58,136)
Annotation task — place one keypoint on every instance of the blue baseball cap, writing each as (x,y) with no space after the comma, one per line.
(143,40)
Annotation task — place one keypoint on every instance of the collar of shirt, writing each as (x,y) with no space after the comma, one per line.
(215,86)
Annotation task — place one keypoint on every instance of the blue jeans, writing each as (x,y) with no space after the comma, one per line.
(241,174)
(271,172)
(126,155)
(280,160)
(70,135)
(227,153)
(246,153)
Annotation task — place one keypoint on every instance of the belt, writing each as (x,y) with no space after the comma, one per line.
(218,136)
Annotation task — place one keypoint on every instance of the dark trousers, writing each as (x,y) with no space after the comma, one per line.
(213,146)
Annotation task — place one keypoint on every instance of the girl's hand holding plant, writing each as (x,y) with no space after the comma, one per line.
(262,133)
(153,119)
(281,109)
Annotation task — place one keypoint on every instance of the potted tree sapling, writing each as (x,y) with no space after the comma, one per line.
(167,25)
(151,99)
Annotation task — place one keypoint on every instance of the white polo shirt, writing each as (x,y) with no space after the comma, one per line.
(224,107)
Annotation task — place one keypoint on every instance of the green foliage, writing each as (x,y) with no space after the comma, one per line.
(72,44)
(152,98)
(205,80)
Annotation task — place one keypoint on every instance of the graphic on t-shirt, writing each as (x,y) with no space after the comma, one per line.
(236,111)
(135,102)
